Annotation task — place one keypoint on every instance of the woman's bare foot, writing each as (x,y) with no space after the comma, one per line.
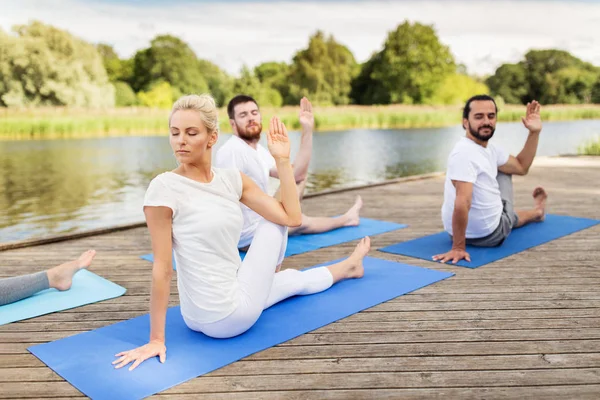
(539,199)
(61,277)
(356,269)
(351,267)
(353,214)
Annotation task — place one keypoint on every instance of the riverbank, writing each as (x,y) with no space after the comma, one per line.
(57,123)
(591,148)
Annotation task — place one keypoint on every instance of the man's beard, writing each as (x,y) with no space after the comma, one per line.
(479,136)
(249,133)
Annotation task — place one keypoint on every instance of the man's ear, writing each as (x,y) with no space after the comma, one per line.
(232,124)
(464,123)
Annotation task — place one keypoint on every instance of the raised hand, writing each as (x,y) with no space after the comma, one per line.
(278,140)
(532,119)
(454,255)
(137,356)
(307,119)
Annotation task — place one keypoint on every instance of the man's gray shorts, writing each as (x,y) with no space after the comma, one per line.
(508,220)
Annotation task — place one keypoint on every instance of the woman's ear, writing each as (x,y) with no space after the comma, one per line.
(213,139)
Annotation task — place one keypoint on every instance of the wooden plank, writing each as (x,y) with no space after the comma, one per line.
(39,372)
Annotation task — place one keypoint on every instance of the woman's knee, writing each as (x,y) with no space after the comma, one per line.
(270,229)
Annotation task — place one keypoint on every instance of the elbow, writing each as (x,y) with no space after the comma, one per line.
(462,204)
(523,171)
(294,222)
(162,273)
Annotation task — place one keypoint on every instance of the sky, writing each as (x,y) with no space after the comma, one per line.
(482,34)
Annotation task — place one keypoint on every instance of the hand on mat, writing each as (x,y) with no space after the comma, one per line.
(307,119)
(455,255)
(277,139)
(532,119)
(152,349)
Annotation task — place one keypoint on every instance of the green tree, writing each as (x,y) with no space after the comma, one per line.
(596,92)
(510,82)
(171,60)
(250,85)
(43,65)
(112,62)
(410,68)
(159,95)
(541,67)
(323,72)
(456,89)
(124,95)
(275,75)
(219,83)
(573,85)
(365,88)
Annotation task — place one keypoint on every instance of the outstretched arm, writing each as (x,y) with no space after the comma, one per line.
(460,218)
(302,161)
(159,220)
(520,164)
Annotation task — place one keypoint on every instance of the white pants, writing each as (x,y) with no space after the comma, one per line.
(260,287)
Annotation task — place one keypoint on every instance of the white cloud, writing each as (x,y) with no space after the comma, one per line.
(481,34)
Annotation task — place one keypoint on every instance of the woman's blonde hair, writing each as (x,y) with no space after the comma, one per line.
(204,104)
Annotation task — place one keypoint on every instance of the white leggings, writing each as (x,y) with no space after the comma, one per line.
(260,287)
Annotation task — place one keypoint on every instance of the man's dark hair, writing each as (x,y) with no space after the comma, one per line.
(478,97)
(239,99)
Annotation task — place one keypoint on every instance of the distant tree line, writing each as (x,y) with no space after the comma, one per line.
(44,65)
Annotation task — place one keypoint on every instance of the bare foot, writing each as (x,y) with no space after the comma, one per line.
(539,199)
(353,214)
(356,269)
(61,277)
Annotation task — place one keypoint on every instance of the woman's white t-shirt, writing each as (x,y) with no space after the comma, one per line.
(470,162)
(207,221)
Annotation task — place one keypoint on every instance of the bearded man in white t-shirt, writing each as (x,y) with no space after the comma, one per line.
(478,193)
(243,152)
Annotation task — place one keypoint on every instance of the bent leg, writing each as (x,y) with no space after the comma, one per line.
(21,287)
(291,282)
(326,224)
(255,278)
(507,195)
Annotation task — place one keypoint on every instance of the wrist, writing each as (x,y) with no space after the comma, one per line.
(282,160)
(157,339)
(306,128)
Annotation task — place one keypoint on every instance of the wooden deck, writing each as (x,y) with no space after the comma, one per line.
(525,327)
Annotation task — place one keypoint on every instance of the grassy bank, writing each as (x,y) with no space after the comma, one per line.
(48,123)
(591,148)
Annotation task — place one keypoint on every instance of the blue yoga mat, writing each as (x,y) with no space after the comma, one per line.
(305,243)
(87,288)
(85,359)
(531,235)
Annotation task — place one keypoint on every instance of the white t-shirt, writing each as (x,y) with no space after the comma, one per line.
(256,164)
(206,227)
(470,162)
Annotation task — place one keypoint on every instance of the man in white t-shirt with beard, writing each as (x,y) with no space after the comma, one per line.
(478,193)
(242,151)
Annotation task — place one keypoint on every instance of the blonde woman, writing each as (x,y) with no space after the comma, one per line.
(194,211)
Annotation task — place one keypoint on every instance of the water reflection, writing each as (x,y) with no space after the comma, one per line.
(51,187)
